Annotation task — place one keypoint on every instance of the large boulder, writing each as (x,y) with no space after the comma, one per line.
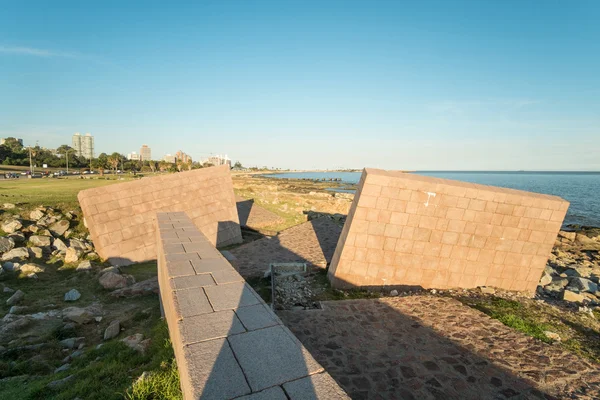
(20,253)
(72,255)
(36,214)
(31,268)
(110,280)
(6,244)
(36,252)
(60,245)
(60,227)
(40,241)
(584,285)
(11,226)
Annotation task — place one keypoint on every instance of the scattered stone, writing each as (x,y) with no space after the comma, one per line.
(15,298)
(36,215)
(18,309)
(136,342)
(113,330)
(8,290)
(59,228)
(40,241)
(31,268)
(6,244)
(110,280)
(36,252)
(60,245)
(149,286)
(72,295)
(546,279)
(78,315)
(584,285)
(72,255)
(573,297)
(394,293)
(8,206)
(20,253)
(72,343)
(487,290)
(11,226)
(11,266)
(62,368)
(98,319)
(59,383)
(85,265)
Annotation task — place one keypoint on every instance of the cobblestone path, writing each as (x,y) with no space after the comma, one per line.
(312,242)
(426,347)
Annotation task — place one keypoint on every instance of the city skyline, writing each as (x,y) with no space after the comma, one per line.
(434,85)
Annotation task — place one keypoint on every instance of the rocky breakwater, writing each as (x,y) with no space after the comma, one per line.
(573,270)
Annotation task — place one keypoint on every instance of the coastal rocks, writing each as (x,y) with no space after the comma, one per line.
(72,295)
(6,244)
(546,279)
(15,298)
(40,241)
(36,252)
(36,215)
(31,268)
(112,330)
(573,297)
(582,239)
(60,245)
(85,265)
(111,280)
(11,226)
(72,255)
(60,227)
(19,253)
(567,236)
(583,285)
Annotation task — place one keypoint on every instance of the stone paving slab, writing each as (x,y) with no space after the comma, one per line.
(192,281)
(257,317)
(230,296)
(210,265)
(214,372)
(227,276)
(274,393)
(270,357)
(427,347)
(190,302)
(312,242)
(209,326)
(317,386)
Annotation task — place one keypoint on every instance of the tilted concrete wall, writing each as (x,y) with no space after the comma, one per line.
(411,230)
(228,343)
(120,217)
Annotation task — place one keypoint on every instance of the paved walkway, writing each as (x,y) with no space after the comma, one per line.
(426,347)
(312,242)
(254,216)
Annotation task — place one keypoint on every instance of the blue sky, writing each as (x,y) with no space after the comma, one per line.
(311,84)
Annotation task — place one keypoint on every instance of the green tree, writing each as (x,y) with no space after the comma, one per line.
(13,144)
(238,165)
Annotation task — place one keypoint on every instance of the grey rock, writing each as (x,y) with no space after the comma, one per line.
(11,266)
(112,330)
(394,293)
(15,298)
(60,245)
(72,255)
(36,214)
(59,383)
(72,343)
(78,315)
(60,227)
(114,270)
(40,241)
(545,280)
(19,253)
(11,226)
(7,290)
(18,310)
(78,244)
(136,342)
(110,280)
(6,244)
(85,265)
(31,268)
(584,285)
(572,272)
(72,295)
(62,368)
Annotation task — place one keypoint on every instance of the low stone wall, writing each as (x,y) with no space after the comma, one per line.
(120,216)
(412,230)
(227,341)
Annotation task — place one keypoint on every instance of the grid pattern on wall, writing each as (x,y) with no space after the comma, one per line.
(410,230)
(120,217)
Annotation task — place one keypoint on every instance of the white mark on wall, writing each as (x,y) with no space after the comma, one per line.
(429,196)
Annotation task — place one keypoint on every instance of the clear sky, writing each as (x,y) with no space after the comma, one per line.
(311,84)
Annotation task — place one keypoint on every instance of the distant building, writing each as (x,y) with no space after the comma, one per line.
(219,160)
(2,141)
(145,153)
(181,156)
(169,158)
(83,145)
(133,156)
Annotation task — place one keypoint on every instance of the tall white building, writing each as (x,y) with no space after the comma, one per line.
(83,145)
(145,153)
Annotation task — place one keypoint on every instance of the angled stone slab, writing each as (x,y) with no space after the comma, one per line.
(227,276)
(210,265)
(180,268)
(192,281)
(209,326)
(274,393)
(231,296)
(270,357)
(257,317)
(318,386)
(212,372)
(190,302)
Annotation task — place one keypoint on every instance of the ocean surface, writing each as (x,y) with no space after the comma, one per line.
(581,189)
